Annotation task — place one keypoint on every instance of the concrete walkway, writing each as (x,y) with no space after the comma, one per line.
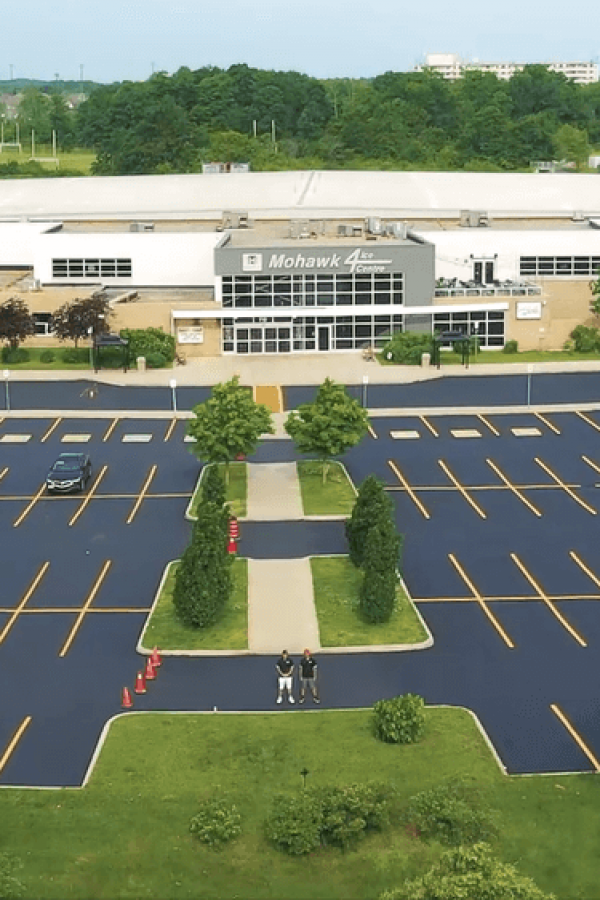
(281,610)
(273,492)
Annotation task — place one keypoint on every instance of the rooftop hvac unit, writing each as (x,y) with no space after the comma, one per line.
(470,218)
(373,225)
(36,285)
(578,217)
(398,230)
(141,226)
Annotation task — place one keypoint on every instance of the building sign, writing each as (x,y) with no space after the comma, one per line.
(529,310)
(193,334)
(252,262)
(359,261)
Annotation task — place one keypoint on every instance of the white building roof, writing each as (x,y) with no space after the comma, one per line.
(317,194)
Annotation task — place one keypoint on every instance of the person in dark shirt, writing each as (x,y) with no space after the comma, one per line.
(285,673)
(308,676)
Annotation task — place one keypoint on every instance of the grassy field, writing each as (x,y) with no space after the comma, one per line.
(335,497)
(337,583)
(126,834)
(236,490)
(57,363)
(485,357)
(77,159)
(229,633)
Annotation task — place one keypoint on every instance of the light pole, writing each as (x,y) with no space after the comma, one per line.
(6,377)
(91,337)
(364,390)
(173,386)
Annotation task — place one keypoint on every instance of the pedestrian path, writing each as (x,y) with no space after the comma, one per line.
(281,609)
(273,492)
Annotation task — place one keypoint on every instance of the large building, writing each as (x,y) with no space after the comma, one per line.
(303,262)
(451,66)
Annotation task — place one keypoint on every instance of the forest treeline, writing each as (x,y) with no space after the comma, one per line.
(287,120)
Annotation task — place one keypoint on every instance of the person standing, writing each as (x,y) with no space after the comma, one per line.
(285,672)
(308,676)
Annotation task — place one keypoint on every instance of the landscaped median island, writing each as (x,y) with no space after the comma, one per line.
(336,583)
(230,632)
(334,498)
(235,489)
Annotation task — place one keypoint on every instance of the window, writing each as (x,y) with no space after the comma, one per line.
(558,266)
(42,323)
(91,268)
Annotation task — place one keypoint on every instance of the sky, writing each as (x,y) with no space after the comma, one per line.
(120,40)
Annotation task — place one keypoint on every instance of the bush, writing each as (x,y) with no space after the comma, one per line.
(371,501)
(511,347)
(15,355)
(148,341)
(155,360)
(451,813)
(400,720)
(217,822)
(380,563)
(75,355)
(349,812)
(294,823)
(585,339)
(47,356)
(407,347)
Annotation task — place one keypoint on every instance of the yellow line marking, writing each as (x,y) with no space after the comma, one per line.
(481,601)
(524,598)
(372,432)
(408,489)
(578,740)
(514,489)
(591,463)
(52,428)
(462,490)
(280,397)
(547,600)
(3,473)
(14,741)
(71,610)
(89,496)
(110,430)
(487,422)
(141,496)
(170,429)
(428,425)
(565,487)
(30,506)
(548,423)
(96,587)
(576,559)
(588,420)
(16,612)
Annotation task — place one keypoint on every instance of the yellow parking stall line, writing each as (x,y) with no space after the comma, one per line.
(84,609)
(548,423)
(591,463)
(578,561)
(477,596)
(576,737)
(71,610)
(408,489)
(19,609)
(109,430)
(515,490)
(544,597)
(565,487)
(3,472)
(428,425)
(489,425)
(29,506)
(14,741)
(462,490)
(588,420)
(372,432)
(52,428)
(89,496)
(170,430)
(142,495)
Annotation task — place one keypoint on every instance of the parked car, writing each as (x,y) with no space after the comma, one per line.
(70,472)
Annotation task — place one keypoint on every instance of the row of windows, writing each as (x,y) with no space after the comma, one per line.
(311,290)
(307,333)
(91,268)
(488,326)
(559,265)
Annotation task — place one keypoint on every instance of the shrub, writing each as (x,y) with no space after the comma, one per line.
(294,823)
(407,347)
(213,486)
(349,812)
(47,356)
(585,339)
(511,347)
(451,813)
(155,360)
(380,562)
(370,502)
(75,355)
(400,720)
(148,341)
(14,355)
(217,822)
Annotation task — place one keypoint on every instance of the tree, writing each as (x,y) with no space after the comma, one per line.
(380,565)
(16,322)
(571,143)
(595,289)
(203,581)
(228,424)
(370,504)
(328,426)
(73,320)
(213,486)
(469,872)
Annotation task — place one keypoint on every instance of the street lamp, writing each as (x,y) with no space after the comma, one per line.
(173,386)
(364,391)
(6,377)
(91,337)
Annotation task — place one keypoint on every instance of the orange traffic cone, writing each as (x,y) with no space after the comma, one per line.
(155,657)
(126,701)
(140,684)
(149,674)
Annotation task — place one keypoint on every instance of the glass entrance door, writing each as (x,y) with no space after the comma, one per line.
(324,337)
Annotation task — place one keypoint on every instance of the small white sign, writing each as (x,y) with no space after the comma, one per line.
(531,309)
(194,334)
(252,262)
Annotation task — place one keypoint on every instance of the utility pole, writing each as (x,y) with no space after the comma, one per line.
(11,67)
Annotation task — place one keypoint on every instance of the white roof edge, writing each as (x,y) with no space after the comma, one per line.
(322,311)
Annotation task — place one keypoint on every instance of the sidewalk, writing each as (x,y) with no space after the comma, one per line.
(273,492)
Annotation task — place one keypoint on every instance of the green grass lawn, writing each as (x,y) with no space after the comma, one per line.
(484,357)
(335,497)
(77,159)
(337,583)
(35,362)
(229,633)
(126,834)
(236,491)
